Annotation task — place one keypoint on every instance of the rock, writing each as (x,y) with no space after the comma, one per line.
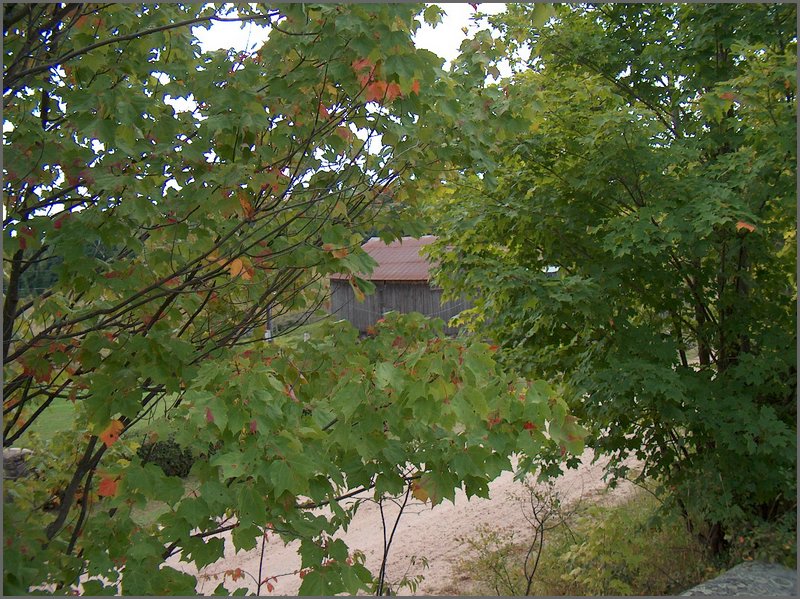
(756,579)
(14,465)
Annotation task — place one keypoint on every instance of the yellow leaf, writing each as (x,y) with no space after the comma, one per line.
(419,492)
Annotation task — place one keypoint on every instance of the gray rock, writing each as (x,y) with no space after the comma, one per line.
(756,579)
(14,465)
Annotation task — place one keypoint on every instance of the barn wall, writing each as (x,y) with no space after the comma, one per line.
(403,297)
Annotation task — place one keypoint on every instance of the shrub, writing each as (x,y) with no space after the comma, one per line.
(173,459)
(593,550)
(621,551)
(768,541)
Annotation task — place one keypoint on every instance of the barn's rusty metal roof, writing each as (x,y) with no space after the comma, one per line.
(399,260)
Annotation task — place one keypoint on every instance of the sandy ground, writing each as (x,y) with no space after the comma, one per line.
(423,531)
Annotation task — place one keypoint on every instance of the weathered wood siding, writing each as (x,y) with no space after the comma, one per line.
(403,297)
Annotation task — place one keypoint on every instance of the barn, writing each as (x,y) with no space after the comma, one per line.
(402,283)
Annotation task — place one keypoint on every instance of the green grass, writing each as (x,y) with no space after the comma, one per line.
(58,416)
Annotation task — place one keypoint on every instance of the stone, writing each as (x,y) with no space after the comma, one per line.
(755,579)
(14,465)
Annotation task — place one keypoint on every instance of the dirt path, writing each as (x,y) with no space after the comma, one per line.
(422,532)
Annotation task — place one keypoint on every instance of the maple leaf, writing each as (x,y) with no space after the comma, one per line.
(362,64)
(111,433)
(344,133)
(107,487)
(393,91)
(238,268)
(376,91)
(247,207)
(746,226)
(419,492)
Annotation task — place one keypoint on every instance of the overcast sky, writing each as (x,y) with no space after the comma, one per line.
(444,40)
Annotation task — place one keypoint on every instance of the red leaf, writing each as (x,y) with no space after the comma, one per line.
(415,86)
(253,426)
(111,433)
(209,416)
(727,96)
(107,487)
(474,5)
(323,112)
(529,426)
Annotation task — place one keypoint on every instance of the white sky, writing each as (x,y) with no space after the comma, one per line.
(443,40)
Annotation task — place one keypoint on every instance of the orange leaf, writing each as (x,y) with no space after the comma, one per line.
(323,112)
(111,434)
(727,96)
(376,91)
(340,253)
(393,91)
(247,207)
(361,64)
(239,268)
(344,133)
(107,487)
(415,86)
(744,225)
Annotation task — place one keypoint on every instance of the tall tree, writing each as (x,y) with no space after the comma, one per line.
(639,246)
(204,221)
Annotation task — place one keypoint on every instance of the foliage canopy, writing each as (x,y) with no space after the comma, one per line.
(157,243)
(657,175)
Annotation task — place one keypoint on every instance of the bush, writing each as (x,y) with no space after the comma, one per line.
(621,551)
(592,550)
(767,541)
(173,459)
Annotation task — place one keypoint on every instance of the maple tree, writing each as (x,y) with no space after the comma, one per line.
(636,243)
(146,249)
